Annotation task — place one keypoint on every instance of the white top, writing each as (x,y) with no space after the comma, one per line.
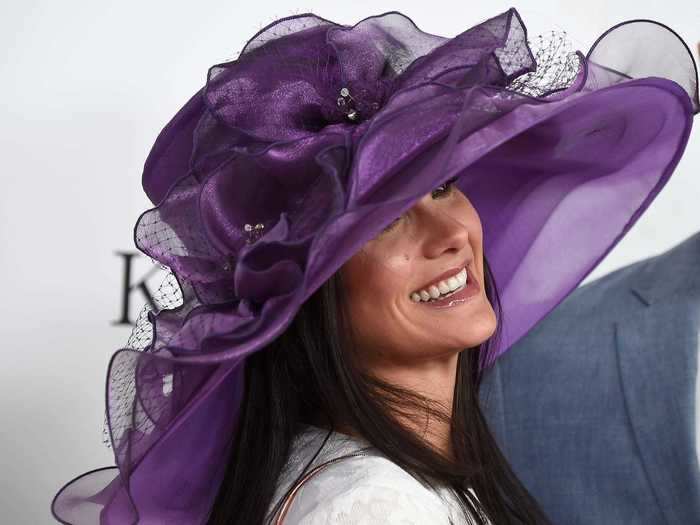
(364,490)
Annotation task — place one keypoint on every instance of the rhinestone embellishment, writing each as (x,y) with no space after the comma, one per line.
(344,103)
(228,264)
(253,232)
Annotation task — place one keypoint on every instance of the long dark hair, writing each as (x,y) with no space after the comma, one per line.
(309,374)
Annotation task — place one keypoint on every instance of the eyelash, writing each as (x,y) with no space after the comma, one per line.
(449,186)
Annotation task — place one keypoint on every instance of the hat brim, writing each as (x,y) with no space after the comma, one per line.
(556,186)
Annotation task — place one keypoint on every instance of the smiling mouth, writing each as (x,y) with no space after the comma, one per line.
(447,288)
(464,294)
(442,287)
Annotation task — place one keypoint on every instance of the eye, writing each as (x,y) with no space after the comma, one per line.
(447,185)
(391,225)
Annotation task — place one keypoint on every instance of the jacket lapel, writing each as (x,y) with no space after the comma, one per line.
(657,349)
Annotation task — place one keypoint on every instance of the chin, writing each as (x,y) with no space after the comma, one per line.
(481,329)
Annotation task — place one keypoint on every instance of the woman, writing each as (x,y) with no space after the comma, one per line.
(393,383)
(306,198)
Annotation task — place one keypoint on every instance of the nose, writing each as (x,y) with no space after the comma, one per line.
(440,231)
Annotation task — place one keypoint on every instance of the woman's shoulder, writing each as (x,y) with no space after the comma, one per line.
(366,490)
(360,489)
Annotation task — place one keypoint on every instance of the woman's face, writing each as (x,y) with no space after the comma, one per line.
(440,232)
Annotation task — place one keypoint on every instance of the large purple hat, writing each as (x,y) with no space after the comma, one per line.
(314,139)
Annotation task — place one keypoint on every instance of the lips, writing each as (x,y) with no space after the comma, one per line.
(445,275)
(457,298)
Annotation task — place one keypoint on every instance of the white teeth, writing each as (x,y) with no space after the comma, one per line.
(443,287)
(462,276)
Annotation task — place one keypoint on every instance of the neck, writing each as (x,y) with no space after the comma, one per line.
(434,380)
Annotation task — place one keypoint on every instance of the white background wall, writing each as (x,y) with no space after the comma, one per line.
(85,88)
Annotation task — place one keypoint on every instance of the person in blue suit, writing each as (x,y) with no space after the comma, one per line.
(596,408)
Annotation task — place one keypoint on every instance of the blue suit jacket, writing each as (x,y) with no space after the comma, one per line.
(595,407)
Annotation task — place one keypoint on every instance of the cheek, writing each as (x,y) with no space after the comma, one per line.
(376,287)
(470,216)
(373,293)
(379,271)
(472,222)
